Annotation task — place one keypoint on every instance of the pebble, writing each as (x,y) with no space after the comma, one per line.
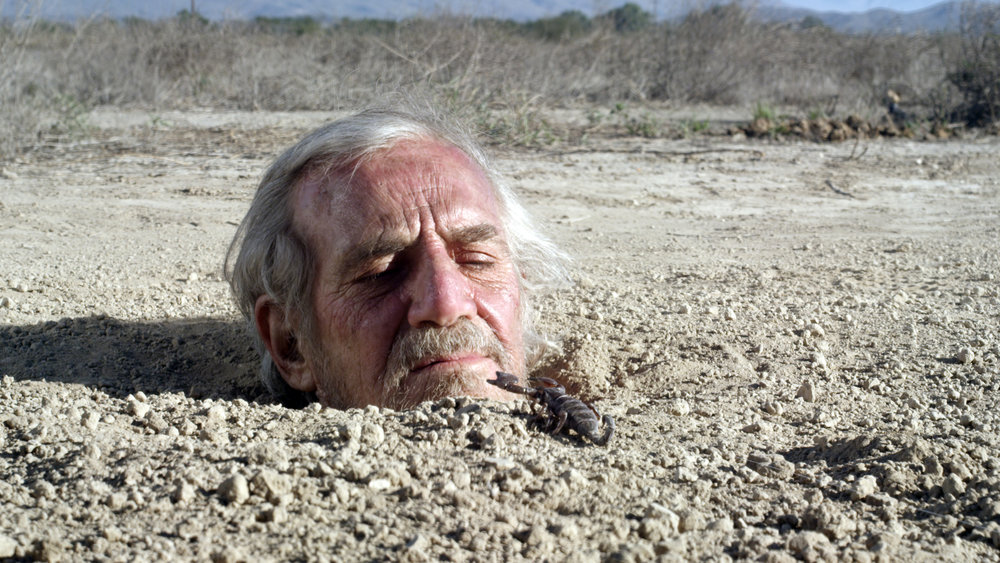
(807,544)
(807,391)
(965,355)
(89,420)
(183,492)
(818,361)
(815,330)
(458,421)
(864,487)
(953,485)
(235,489)
(216,413)
(758,427)
(774,408)
(418,543)
(685,475)
(276,514)
(372,434)
(724,524)
(5,302)
(8,546)
(679,407)
(270,484)
(691,521)
(501,463)
(659,523)
(137,409)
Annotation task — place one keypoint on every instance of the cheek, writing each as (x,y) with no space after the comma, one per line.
(361,331)
(501,308)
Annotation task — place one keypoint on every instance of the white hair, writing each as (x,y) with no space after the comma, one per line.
(268,257)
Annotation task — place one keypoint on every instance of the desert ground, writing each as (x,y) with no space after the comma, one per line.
(798,342)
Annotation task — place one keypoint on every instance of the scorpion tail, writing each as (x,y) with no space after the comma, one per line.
(609,430)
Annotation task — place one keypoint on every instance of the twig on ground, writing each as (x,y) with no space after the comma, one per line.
(837,190)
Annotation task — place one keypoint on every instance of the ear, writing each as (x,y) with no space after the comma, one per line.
(275,331)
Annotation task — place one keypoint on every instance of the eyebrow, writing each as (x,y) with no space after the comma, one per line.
(473,234)
(389,245)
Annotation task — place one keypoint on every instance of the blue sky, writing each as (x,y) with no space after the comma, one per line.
(520,9)
(862,5)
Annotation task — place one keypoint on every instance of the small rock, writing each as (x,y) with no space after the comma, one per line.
(807,391)
(379,484)
(724,524)
(769,465)
(659,528)
(953,485)
(270,484)
(138,409)
(773,408)
(568,530)
(686,475)
(228,555)
(535,535)
(679,407)
(235,489)
(691,521)
(418,543)
(372,434)
(818,361)
(216,413)
(458,421)
(183,492)
(8,546)
(501,463)
(276,514)
(4,302)
(864,487)
(759,427)
(808,544)
(965,356)
(815,330)
(659,522)
(89,420)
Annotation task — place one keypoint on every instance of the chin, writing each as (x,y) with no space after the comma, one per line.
(441,383)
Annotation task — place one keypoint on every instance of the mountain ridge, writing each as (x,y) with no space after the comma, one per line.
(944,16)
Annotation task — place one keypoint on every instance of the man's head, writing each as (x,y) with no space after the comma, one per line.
(383,262)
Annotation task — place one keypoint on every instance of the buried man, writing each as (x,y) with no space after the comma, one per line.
(384,262)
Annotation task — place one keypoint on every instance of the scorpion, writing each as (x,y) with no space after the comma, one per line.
(562,409)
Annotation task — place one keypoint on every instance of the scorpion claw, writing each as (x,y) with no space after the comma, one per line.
(609,430)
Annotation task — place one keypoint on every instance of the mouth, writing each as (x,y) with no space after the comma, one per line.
(447,361)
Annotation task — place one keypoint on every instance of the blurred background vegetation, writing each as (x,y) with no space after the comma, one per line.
(502,74)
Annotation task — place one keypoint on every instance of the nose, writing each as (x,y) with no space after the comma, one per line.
(440,294)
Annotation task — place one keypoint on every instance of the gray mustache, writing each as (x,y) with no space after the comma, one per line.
(417,344)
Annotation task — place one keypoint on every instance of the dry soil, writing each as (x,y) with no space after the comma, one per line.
(798,341)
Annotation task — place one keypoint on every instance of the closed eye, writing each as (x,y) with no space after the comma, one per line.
(475,259)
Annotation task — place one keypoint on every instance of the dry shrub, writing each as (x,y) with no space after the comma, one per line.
(976,72)
(500,74)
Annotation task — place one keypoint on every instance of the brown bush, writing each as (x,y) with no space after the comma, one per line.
(51,74)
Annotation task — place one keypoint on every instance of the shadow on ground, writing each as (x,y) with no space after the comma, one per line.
(203,358)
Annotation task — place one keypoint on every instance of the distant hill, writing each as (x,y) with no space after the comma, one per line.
(943,16)
(939,17)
